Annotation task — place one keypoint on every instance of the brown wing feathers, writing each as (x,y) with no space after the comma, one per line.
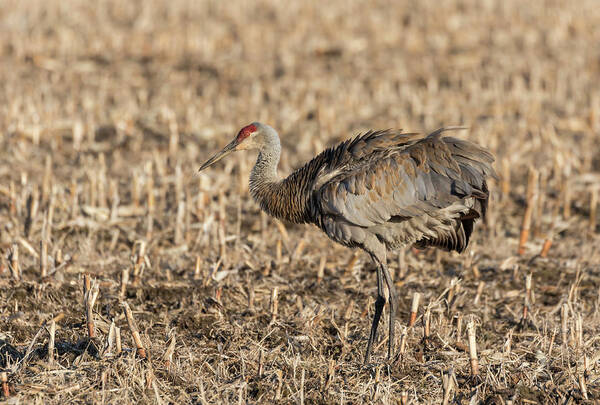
(386,176)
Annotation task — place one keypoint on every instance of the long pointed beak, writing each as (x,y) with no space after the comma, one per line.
(224,152)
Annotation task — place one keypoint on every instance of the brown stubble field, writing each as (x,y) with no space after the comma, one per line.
(106,111)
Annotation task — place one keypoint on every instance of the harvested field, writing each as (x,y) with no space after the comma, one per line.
(107,110)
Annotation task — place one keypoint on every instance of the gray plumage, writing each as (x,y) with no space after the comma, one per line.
(379,191)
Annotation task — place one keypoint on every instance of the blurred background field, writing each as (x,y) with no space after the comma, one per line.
(107,109)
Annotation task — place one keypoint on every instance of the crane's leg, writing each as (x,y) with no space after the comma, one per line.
(393,306)
(379,303)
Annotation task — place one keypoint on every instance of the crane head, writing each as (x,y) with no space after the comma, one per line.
(245,139)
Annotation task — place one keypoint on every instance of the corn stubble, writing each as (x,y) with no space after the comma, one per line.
(192,295)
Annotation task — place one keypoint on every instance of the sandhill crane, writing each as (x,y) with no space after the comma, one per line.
(381,190)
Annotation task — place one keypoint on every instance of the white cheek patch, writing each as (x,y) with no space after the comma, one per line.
(248,143)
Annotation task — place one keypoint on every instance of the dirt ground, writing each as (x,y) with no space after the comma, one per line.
(108,108)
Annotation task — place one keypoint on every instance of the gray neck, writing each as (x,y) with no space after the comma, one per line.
(282,199)
(265,170)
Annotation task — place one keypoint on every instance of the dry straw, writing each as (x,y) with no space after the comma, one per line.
(124,281)
(532,181)
(198,268)
(5,386)
(583,387)
(52,334)
(427,324)
(135,334)
(44,250)
(321,269)
(118,346)
(111,338)
(274,304)
(91,291)
(473,348)
(480,288)
(168,356)
(593,209)
(546,247)
(564,319)
(139,260)
(414,308)
(15,270)
(448,384)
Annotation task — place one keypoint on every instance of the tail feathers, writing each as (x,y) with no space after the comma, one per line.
(474,161)
(475,164)
(457,239)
